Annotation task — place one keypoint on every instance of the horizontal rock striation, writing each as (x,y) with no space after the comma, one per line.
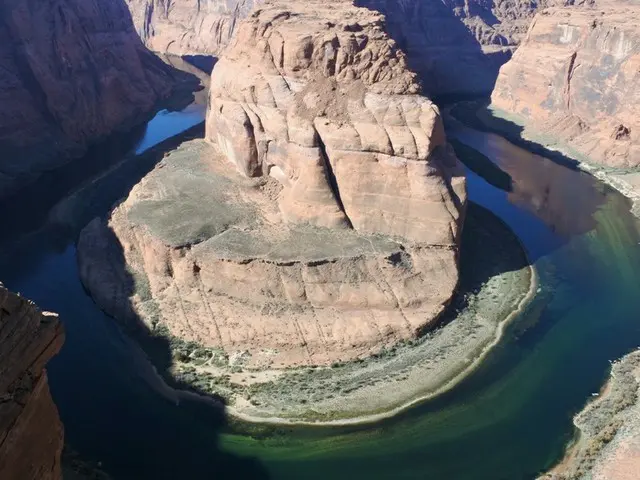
(71,72)
(188,27)
(322,100)
(457,47)
(30,430)
(576,77)
(321,220)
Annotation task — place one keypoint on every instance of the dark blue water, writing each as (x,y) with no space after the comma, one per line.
(508,420)
(167,124)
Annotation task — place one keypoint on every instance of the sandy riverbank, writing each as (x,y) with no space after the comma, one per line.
(497,286)
(608,446)
(372,418)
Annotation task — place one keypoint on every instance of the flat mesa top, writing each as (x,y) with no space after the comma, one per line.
(194,199)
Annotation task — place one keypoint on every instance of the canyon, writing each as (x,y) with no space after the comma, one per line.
(71,73)
(321,220)
(575,78)
(443,40)
(31,435)
(309,245)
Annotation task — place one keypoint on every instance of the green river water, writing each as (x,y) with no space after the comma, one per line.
(510,419)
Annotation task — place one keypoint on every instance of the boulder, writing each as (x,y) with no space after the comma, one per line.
(319,222)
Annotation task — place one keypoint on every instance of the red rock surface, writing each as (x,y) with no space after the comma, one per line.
(576,77)
(444,40)
(323,221)
(31,435)
(188,27)
(71,72)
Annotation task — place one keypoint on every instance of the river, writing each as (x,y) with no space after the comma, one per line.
(510,419)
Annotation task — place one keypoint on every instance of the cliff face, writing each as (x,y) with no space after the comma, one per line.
(188,26)
(71,72)
(576,76)
(320,224)
(30,430)
(456,46)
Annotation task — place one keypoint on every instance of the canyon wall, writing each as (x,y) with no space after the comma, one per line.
(455,46)
(71,72)
(321,219)
(576,76)
(31,435)
(188,27)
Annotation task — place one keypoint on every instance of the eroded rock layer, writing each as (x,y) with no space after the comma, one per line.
(456,46)
(322,100)
(576,77)
(188,27)
(71,72)
(30,430)
(322,220)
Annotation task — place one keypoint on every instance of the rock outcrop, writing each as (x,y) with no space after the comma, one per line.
(455,46)
(71,72)
(576,77)
(323,220)
(188,27)
(30,430)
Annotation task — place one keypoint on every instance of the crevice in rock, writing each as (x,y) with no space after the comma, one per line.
(331,177)
(571,69)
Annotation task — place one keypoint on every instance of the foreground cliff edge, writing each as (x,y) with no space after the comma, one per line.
(320,224)
(31,435)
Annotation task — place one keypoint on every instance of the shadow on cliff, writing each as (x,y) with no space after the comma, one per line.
(488,248)
(441,49)
(183,440)
(28,209)
(115,414)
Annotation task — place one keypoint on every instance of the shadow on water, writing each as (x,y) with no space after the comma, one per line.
(512,417)
(543,183)
(182,442)
(479,264)
(105,389)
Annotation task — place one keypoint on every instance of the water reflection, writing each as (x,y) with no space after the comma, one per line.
(167,124)
(564,199)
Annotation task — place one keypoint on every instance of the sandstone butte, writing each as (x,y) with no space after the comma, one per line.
(576,77)
(30,430)
(321,219)
(70,75)
(444,40)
